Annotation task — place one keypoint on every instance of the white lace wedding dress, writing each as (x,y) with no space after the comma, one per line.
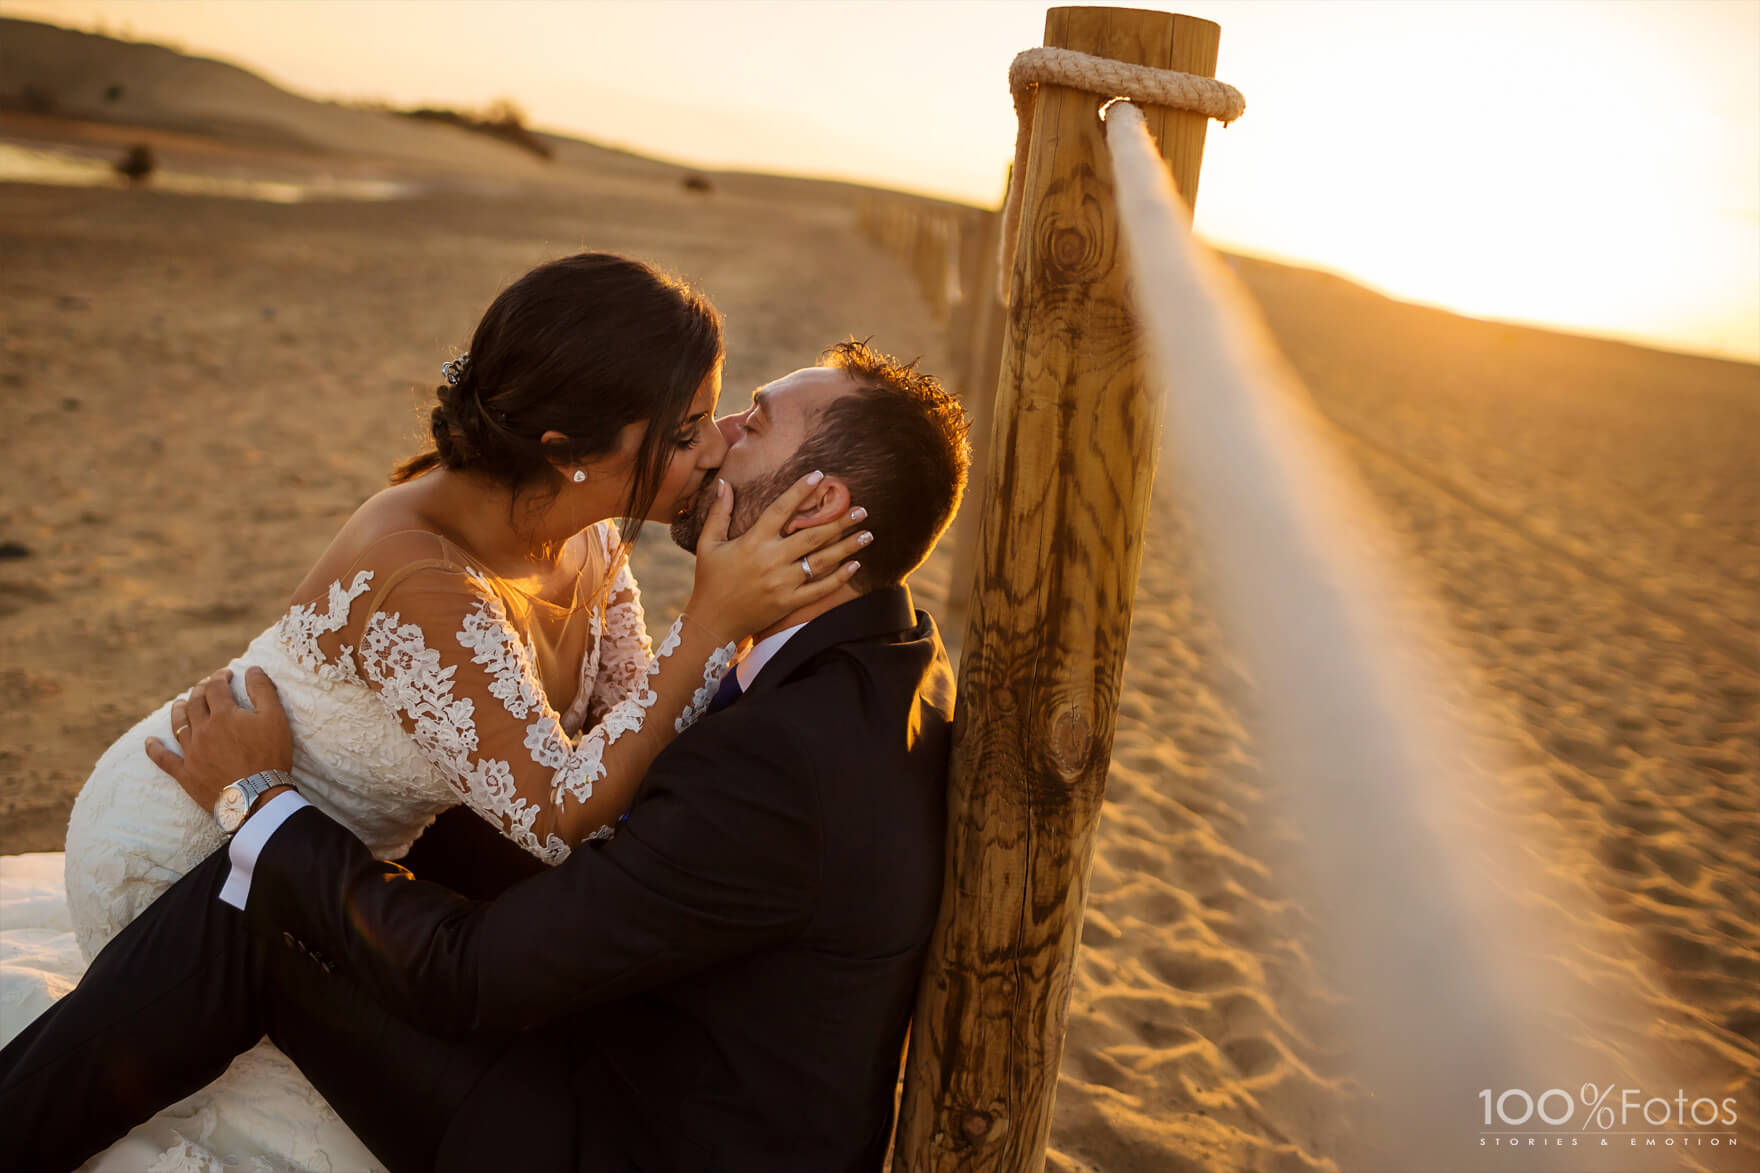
(414,685)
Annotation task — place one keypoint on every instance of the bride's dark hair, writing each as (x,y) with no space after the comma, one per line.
(584,346)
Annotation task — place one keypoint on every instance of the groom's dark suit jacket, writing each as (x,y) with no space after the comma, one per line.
(727,982)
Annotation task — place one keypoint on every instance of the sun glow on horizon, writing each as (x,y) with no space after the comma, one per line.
(1592,167)
(1467,163)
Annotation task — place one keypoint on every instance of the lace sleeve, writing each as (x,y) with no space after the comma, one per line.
(627,658)
(441,652)
(625,652)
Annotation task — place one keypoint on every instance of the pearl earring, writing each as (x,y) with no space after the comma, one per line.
(579,476)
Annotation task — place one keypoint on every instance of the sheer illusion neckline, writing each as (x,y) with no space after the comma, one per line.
(560,610)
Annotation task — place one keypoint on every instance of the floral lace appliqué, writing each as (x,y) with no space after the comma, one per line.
(714,668)
(411,681)
(547,743)
(625,656)
(494,644)
(299,629)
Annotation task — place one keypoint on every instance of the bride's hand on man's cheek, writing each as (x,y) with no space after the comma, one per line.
(219,741)
(800,550)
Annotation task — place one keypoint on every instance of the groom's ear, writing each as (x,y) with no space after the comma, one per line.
(830,500)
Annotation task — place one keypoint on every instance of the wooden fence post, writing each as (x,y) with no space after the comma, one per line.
(1060,542)
(928,258)
(977,350)
(966,264)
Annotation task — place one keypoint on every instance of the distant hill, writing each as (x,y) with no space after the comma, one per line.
(52,70)
(47,69)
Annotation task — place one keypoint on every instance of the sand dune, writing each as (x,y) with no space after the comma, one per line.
(198,390)
(161,88)
(198,109)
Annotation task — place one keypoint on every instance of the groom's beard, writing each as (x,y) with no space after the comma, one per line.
(749,502)
(688,526)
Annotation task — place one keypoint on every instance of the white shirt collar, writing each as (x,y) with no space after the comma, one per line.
(753,663)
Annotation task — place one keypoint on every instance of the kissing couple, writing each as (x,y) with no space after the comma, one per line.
(674,901)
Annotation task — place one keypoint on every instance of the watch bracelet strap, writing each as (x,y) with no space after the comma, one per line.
(263,780)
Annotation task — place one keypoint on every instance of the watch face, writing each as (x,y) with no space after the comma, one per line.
(230,808)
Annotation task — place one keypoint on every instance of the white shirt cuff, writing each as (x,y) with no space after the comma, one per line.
(248,843)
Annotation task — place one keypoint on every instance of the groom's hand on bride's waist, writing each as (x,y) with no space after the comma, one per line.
(219,741)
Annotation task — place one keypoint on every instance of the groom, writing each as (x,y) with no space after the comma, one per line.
(725,984)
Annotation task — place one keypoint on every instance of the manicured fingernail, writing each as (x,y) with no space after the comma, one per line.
(815,477)
(852,568)
(864,538)
(858,513)
(720,488)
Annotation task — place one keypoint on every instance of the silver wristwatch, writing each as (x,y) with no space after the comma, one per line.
(236,800)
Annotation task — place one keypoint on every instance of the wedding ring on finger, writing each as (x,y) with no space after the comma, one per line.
(178,732)
(807,569)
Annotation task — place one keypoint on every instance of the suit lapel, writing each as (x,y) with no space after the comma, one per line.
(886,611)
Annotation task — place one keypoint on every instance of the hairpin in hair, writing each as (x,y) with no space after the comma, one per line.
(455,369)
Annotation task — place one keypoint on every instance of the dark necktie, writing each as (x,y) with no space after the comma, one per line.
(729,692)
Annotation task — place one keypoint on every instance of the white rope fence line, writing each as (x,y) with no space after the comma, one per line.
(1338,727)
(1447,971)
(1107,78)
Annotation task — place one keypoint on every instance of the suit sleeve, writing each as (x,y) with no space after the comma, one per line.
(720,856)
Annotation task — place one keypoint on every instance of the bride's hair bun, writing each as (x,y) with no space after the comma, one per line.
(456,423)
(583,346)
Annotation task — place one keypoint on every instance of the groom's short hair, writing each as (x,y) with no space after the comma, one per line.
(898,441)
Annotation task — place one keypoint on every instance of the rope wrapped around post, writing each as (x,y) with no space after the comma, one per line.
(1109,79)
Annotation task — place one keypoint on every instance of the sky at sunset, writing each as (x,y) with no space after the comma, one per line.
(1589,166)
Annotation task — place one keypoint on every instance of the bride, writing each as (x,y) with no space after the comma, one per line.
(473,633)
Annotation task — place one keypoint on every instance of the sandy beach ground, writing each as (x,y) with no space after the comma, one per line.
(197,390)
